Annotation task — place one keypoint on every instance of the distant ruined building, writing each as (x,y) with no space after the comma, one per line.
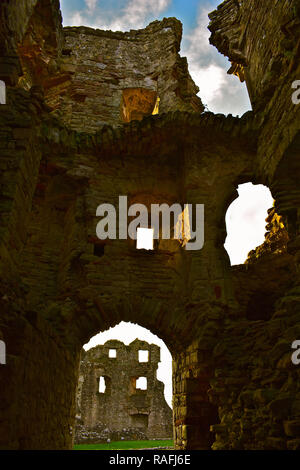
(89,115)
(119,395)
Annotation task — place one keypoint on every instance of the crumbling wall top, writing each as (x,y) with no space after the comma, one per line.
(123,352)
(107,77)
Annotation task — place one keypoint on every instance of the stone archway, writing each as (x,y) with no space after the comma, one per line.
(175,293)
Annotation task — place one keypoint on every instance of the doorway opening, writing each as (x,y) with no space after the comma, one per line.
(124,387)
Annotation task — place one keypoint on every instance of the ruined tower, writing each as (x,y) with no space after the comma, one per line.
(119,395)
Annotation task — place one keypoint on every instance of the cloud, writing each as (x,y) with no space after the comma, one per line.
(91,5)
(137,11)
(134,15)
(210,80)
(221,92)
(77,19)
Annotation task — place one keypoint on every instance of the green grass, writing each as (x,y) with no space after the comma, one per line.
(125,445)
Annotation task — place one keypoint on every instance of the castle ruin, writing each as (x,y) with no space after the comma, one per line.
(90,115)
(119,396)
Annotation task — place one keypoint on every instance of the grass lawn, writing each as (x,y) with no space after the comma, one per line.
(125,445)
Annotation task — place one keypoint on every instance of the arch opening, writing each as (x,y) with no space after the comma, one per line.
(246,221)
(143,355)
(137,103)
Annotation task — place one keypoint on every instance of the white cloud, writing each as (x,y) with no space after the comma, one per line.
(137,11)
(91,5)
(77,19)
(134,15)
(210,80)
(199,37)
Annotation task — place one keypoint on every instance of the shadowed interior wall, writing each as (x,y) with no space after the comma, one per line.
(234,385)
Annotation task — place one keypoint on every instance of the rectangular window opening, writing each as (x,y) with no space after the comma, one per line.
(143,355)
(2,92)
(141,383)
(144,240)
(102,384)
(112,353)
(137,103)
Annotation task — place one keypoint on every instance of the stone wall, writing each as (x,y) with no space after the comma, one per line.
(229,329)
(276,238)
(30,36)
(264,41)
(235,387)
(121,410)
(36,359)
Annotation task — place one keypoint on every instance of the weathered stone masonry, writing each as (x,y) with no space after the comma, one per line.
(65,148)
(119,408)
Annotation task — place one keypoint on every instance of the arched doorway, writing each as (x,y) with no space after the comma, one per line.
(124,388)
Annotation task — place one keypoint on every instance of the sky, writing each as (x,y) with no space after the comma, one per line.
(220,92)
(2,92)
